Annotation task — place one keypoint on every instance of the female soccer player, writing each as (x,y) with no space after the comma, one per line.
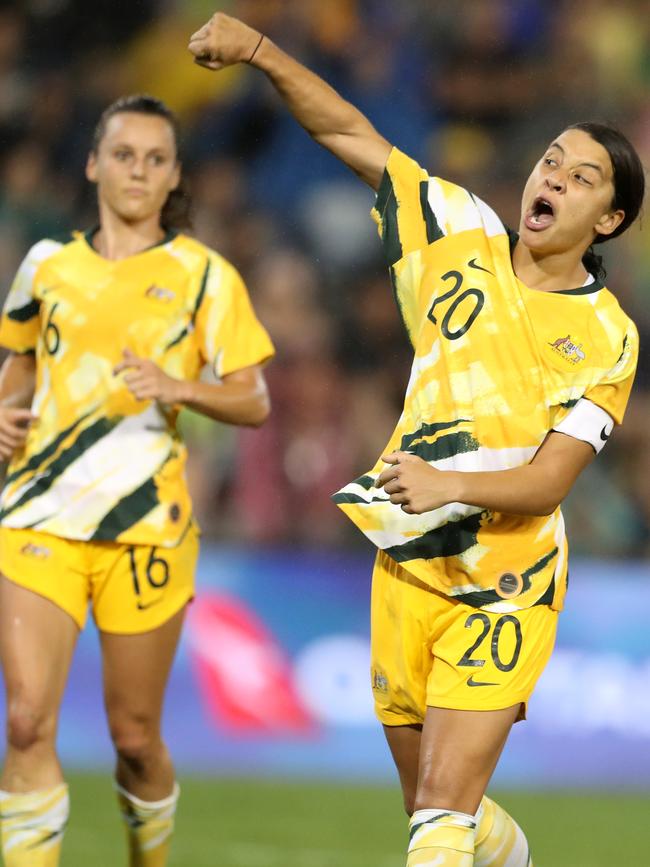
(109,330)
(523,363)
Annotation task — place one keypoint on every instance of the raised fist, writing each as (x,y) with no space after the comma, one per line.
(223,41)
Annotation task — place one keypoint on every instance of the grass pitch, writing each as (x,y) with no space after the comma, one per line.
(262,823)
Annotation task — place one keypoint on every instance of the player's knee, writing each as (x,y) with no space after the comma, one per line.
(28,726)
(137,742)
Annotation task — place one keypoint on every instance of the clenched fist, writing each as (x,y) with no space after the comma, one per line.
(223,41)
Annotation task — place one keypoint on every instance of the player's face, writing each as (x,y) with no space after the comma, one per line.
(567,200)
(135,167)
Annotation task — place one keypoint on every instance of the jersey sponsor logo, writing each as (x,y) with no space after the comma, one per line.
(472,682)
(474,264)
(160,293)
(568,349)
(41,552)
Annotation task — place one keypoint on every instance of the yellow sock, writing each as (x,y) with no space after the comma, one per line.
(441,838)
(500,842)
(149,827)
(32,826)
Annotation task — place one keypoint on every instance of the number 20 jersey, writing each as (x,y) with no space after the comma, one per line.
(496,366)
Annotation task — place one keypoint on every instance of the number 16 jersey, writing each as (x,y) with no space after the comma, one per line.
(497,365)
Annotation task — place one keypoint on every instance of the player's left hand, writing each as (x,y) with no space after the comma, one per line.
(146,381)
(414,484)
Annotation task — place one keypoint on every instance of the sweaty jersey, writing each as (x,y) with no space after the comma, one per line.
(100,464)
(497,366)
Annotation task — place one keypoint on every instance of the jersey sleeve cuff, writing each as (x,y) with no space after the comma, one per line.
(587,422)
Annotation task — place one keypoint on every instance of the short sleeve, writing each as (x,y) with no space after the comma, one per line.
(19,326)
(414,210)
(603,405)
(230,335)
(613,391)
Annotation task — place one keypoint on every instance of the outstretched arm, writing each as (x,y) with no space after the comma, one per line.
(328,118)
(537,488)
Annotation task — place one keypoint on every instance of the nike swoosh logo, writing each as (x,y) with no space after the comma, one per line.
(143,607)
(603,435)
(474,264)
(472,682)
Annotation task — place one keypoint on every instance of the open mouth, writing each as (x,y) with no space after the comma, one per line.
(541,215)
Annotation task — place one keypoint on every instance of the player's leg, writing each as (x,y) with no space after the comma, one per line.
(37,640)
(139,600)
(136,669)
(458,753)
(499,840)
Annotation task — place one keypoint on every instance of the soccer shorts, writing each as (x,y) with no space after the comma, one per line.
(429,650)
(132,588)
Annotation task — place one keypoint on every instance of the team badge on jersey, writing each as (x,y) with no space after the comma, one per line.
(569,350)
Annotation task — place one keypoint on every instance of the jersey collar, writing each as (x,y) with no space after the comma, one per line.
(89,234)
(590,288)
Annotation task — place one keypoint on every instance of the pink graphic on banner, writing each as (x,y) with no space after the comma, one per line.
(244,675)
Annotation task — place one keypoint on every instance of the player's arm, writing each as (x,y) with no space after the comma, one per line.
(331,121)
(240,398)
(537,488)
(17,382)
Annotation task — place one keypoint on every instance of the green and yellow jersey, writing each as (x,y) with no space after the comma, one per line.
(99,464)
(497,366)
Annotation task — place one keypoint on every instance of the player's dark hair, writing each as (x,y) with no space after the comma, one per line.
(629,184)
(177,209)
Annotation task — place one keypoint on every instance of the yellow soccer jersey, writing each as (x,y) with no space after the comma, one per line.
(497,366)
(100,464)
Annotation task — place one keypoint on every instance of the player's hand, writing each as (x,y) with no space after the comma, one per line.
(223,41)
(146,381)
(14,427)
(414,484)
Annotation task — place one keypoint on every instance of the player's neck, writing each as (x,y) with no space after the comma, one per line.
(116,239)
(549,273)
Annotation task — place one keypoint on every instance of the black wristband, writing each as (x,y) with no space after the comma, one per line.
(250,59)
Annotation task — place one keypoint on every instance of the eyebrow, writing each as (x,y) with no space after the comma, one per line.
(156,149)
(594,166)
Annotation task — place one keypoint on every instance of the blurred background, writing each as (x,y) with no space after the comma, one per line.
(272,674)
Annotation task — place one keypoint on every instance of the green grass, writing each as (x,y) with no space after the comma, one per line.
(255,823)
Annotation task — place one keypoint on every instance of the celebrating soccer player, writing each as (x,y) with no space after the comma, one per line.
(523,364)
(109,330)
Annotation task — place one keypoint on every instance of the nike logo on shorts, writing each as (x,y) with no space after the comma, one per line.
(472,682)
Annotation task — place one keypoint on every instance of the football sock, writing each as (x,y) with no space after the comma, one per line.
(441,838)
(149,826)
(500,842)
(32,826)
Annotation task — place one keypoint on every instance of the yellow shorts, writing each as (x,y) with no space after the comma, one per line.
(429,650)
(132,588)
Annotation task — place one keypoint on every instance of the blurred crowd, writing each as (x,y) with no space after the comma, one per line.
(474,89)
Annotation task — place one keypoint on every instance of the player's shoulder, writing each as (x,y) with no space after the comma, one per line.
(196,256)
(48,247)
(608,305)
